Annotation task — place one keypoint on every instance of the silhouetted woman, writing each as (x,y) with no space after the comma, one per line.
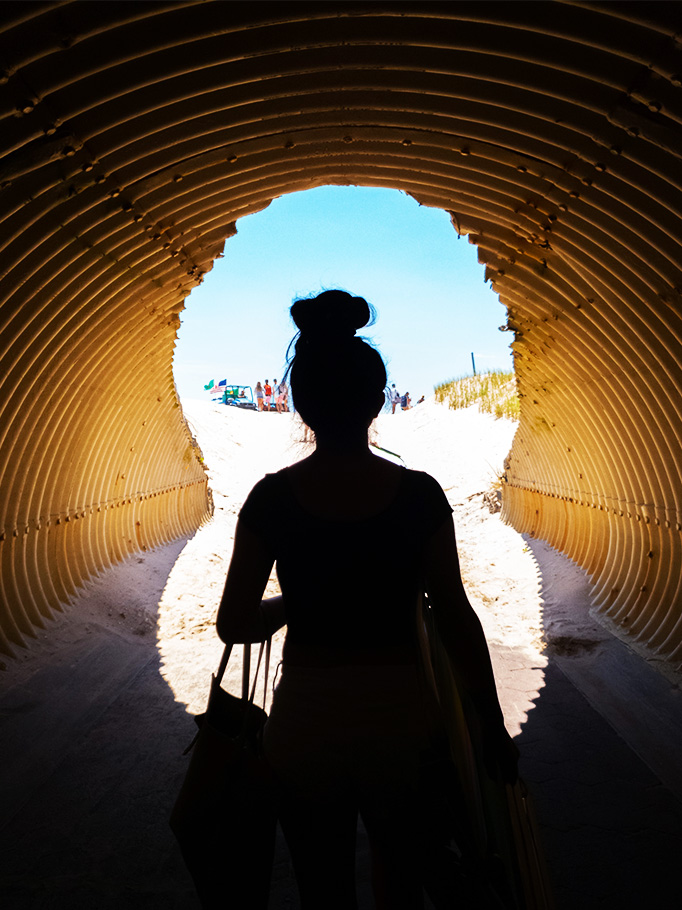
(351,718)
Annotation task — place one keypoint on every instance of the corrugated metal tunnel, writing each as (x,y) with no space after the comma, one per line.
(136,134)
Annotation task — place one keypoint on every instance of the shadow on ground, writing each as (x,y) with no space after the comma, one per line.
(607,726)
(91,759)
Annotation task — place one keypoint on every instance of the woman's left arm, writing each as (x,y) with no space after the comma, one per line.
(243,616)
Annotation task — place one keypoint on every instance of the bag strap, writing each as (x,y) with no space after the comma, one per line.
(265,647)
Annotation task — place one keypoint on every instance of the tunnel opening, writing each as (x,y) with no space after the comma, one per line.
(435,310)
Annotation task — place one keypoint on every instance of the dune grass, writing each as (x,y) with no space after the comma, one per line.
(494,393)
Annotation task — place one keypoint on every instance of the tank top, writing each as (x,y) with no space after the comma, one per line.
(350,584)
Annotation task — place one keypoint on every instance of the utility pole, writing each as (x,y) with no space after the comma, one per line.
(473,362)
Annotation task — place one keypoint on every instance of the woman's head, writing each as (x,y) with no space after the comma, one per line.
(337,379)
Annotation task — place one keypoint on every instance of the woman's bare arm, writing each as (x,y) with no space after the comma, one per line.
(243,616)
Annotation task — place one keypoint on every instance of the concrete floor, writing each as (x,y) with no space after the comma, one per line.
(91,744)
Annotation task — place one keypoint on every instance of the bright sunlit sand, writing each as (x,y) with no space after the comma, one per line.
(463,449)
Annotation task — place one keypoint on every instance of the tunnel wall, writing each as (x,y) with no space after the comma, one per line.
(134,135)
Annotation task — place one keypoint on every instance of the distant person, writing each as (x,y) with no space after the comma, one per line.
(405,402)
(351,716)
(395,398)
(259,396)
(280,397)
(268,394)
(421,400)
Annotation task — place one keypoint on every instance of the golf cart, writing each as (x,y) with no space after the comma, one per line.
(239,396)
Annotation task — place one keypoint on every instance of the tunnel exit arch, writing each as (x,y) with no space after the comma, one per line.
(135,135)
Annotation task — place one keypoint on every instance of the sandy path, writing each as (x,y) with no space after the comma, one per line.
(464,450)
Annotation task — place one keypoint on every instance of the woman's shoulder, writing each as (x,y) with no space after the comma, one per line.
(266,499)
(269,483)
(427,494)
(420,480)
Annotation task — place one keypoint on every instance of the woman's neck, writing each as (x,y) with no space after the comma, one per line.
(349,444)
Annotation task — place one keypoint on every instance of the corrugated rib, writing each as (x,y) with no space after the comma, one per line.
(135,135)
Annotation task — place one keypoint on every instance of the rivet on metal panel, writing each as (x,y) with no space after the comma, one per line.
(137,217)
(289,144)
(177,178)
(407,142)
(115,193)
(49,130)
(68,151)
(232,158)
(599,166)
(25,107)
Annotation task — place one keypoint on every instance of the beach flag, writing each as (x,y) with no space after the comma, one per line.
(210,385)
(223,382)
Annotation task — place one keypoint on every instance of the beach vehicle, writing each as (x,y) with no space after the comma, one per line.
(238,396)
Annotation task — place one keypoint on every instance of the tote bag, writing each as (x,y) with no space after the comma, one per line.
(225,815)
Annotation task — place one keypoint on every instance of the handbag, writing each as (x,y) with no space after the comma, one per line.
(501,865)
(225,815)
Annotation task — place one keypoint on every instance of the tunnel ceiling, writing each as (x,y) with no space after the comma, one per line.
(134,135)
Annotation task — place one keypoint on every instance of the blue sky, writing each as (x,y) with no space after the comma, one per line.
(433,307)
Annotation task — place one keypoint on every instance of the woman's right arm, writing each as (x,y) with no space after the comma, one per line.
(462,635)
(243,616)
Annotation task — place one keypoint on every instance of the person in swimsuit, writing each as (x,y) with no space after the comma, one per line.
(351,718)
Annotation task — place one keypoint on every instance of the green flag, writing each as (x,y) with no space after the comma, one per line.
(209,386)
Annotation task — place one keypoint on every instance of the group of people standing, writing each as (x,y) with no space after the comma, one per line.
(404,401)
(266,393)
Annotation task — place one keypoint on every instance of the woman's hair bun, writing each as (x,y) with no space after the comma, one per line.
(332,315)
